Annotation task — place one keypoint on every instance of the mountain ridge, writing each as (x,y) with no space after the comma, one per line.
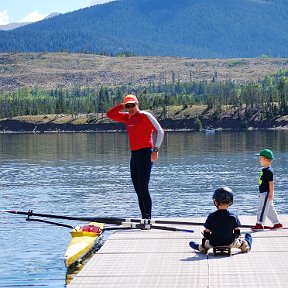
(200,29)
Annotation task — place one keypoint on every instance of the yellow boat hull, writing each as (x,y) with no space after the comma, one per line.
(82,242)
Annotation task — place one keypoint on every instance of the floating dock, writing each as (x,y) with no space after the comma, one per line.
(163,259)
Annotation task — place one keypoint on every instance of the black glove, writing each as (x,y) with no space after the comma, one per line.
(206,235)
(236,233)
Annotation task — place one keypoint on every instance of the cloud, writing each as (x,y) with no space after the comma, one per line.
(4,17)
(33,17)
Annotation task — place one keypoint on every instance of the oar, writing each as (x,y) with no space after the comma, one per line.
(171,229)
(50,222)
(117,228)
(146,225)
(132,226)
(110,220)
(175,222)
(141,223)
(106,220)
(186,223)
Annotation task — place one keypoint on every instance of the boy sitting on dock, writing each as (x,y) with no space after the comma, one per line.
(222,227)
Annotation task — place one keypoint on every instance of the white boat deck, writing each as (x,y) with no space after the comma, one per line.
(157,258)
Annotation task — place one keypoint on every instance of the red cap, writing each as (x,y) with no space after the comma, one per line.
(130,99)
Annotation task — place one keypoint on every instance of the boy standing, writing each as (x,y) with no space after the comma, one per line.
(222,227)
(266,192)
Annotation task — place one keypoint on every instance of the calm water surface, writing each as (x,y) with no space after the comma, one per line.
(88,174)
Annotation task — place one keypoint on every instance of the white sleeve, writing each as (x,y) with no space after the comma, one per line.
(160,131)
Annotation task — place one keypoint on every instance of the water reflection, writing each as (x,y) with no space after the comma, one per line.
(88,174)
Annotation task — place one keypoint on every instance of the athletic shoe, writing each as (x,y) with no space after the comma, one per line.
(258,227)
(277,226)
(248,238)
(194,245)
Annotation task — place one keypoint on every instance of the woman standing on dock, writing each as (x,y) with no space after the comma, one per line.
(140,127)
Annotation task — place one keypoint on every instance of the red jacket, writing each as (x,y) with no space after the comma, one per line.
(140,127)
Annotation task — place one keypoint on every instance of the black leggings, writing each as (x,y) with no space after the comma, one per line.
(140,168)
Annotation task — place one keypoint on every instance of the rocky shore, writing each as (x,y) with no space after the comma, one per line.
(224,124)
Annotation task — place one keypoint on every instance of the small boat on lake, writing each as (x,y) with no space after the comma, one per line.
(83,242)
(208,131)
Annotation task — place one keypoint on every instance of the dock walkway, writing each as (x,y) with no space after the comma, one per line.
(163,259)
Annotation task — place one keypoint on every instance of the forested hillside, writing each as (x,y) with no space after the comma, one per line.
(194,91)
(269,97)
(192,28)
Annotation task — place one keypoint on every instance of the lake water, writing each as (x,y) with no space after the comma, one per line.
(88,175)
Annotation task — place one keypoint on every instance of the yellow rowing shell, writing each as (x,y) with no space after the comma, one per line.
(82,242)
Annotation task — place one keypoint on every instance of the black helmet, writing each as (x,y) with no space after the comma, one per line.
(223,195)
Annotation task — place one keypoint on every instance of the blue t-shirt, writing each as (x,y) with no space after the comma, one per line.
(222,224)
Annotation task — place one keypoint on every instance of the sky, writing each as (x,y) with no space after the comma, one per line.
(35,10)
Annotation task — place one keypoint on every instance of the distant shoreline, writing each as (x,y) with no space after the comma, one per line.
(10,126)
